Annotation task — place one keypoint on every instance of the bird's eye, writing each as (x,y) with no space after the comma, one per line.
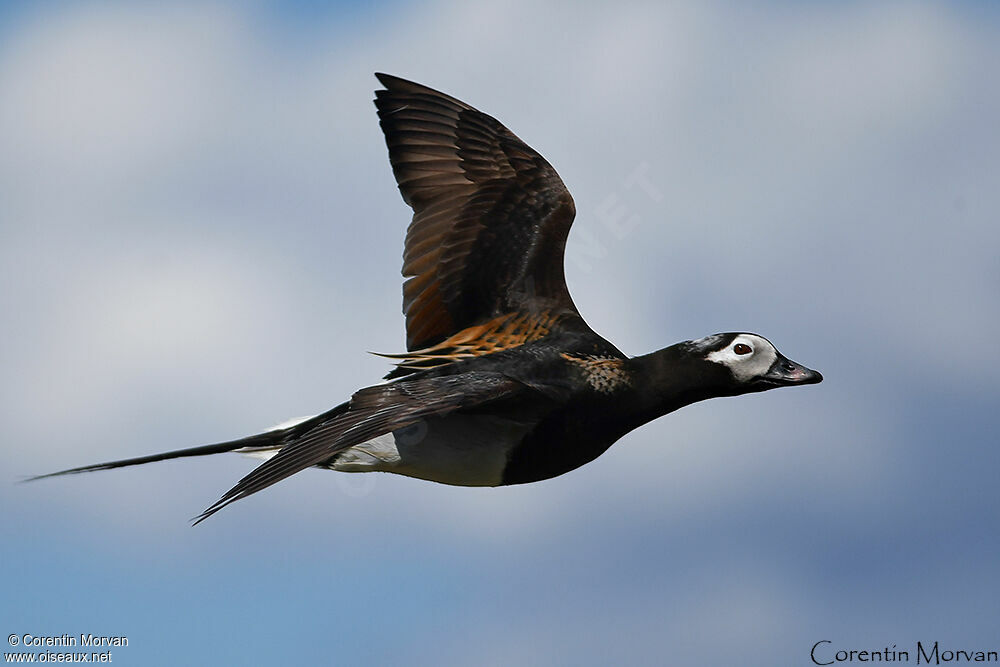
(742,348)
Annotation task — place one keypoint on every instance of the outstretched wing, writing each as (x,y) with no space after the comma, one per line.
(371,412)
(490,220)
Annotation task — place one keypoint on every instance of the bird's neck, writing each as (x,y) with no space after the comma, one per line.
(669,379)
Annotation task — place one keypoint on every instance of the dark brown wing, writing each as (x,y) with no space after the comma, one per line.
(490,220)
(371,412)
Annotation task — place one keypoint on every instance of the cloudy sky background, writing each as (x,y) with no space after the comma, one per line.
(200,237)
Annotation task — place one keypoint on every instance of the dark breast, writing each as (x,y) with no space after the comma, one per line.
(583,427)
(562,441)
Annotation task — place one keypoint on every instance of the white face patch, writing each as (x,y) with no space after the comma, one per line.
(746,364)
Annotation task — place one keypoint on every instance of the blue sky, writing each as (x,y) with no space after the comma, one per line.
(200,237)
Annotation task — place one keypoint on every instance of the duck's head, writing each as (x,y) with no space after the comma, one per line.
(752,362)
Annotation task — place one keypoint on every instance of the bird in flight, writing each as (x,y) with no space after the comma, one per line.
(502,382)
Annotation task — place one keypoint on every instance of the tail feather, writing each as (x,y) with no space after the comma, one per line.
(265,440)
(261,443)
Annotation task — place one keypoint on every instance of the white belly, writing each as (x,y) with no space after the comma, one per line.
(461,450)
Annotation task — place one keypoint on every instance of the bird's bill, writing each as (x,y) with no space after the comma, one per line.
(786,373)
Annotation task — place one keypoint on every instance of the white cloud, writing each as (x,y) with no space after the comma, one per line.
(100,98)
